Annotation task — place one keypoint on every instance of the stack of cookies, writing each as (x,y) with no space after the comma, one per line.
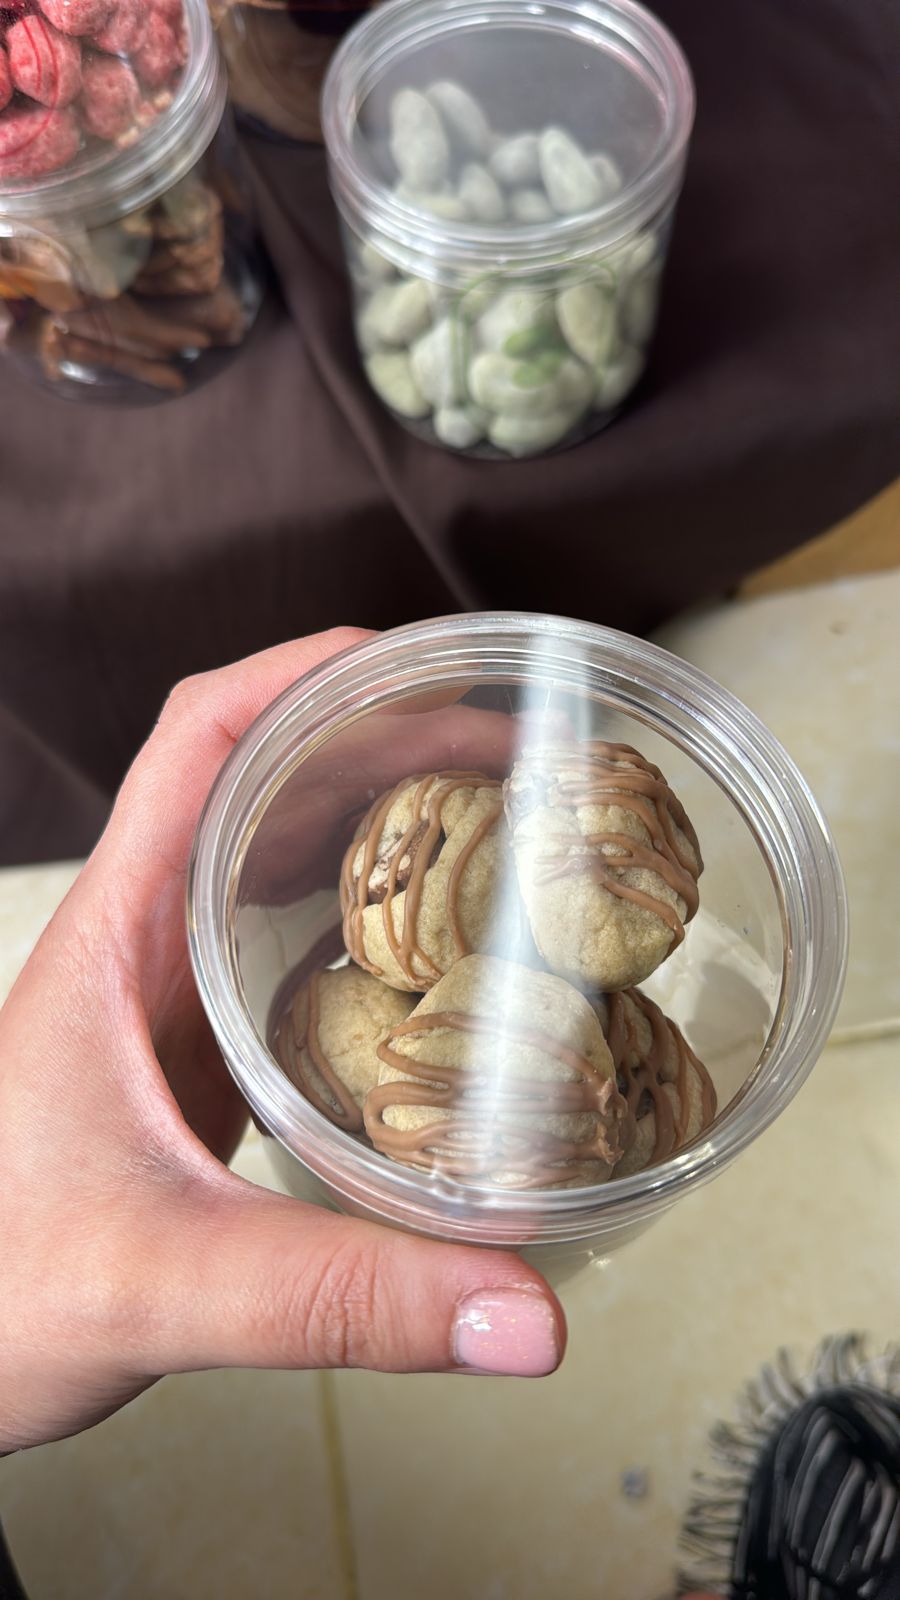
(488,1025)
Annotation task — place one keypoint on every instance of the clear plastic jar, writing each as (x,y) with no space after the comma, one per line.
(128,264)
(753,986)
(277,55)
(507,176)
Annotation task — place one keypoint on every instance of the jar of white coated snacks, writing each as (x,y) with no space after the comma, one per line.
(128,257)
(506,175)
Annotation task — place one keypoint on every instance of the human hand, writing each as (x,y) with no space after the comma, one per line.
(127,1248)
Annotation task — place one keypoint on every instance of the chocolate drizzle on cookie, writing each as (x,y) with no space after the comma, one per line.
(296,1041)
(601,774)
(642,1074)
(381,877)
(486,1131)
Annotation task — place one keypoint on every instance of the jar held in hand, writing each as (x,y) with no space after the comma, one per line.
(522,1021)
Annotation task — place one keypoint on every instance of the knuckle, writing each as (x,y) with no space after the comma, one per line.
(182,698)
(341,638)
(338,1317)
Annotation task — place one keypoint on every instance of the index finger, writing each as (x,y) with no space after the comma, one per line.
(160,801)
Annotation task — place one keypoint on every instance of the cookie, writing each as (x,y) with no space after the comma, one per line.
(427,878)
(607,860)
(669,1093)
(501,1075)
(327,1039)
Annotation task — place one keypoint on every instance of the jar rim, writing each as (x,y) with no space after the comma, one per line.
(677,701)
(110,185)
(414,22)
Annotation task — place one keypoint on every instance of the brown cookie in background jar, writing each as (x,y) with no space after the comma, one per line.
(428,878)
(277,54)
(327,1035)
(142,297)
(670,1095)
(607,860)
(501,1075)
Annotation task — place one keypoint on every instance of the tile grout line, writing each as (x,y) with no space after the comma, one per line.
(864,1032)
(340,1494)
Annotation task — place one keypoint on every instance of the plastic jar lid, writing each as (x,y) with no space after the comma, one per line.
(623,75)
(106,183)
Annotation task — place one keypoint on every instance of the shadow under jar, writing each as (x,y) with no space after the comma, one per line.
(752,983)
(128,253)
(506,176)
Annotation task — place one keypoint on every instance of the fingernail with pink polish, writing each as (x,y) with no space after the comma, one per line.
(510,1331)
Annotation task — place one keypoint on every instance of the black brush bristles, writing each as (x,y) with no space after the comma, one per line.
(804,1503)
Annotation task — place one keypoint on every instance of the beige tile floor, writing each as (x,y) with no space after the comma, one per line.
(822,667)
(361,1487)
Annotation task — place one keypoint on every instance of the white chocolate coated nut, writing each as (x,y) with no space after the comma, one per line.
(496,382)
(481,194)
(514,311)
(418,142)
(575,383)
(450,207)
(474,301)
(373,265)
(390,374)
(460,427)
(517,160)
(439,360)
(530,206)
(366,337)
(587,317)
(571,183)
(398,312)
(607,173)
(569,179)
(643,251)
(640,307)
(618,378)
(526,436)
(628,260)
(462,116)
(444,203)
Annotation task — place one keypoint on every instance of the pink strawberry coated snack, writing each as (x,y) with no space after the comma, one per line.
(123,29)
(110,96)
(160,52)
(6,88)
(77,16)
(34,141)
(114,62)
(44,63)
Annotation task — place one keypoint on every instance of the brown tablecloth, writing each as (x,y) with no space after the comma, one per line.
(139,546)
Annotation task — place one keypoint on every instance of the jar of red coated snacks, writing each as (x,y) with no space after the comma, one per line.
(127,246)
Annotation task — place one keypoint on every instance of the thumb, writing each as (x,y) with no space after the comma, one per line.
(265,1281)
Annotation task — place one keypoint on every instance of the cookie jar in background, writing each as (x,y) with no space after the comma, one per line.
(277,53)
(507,175)
(128,267)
